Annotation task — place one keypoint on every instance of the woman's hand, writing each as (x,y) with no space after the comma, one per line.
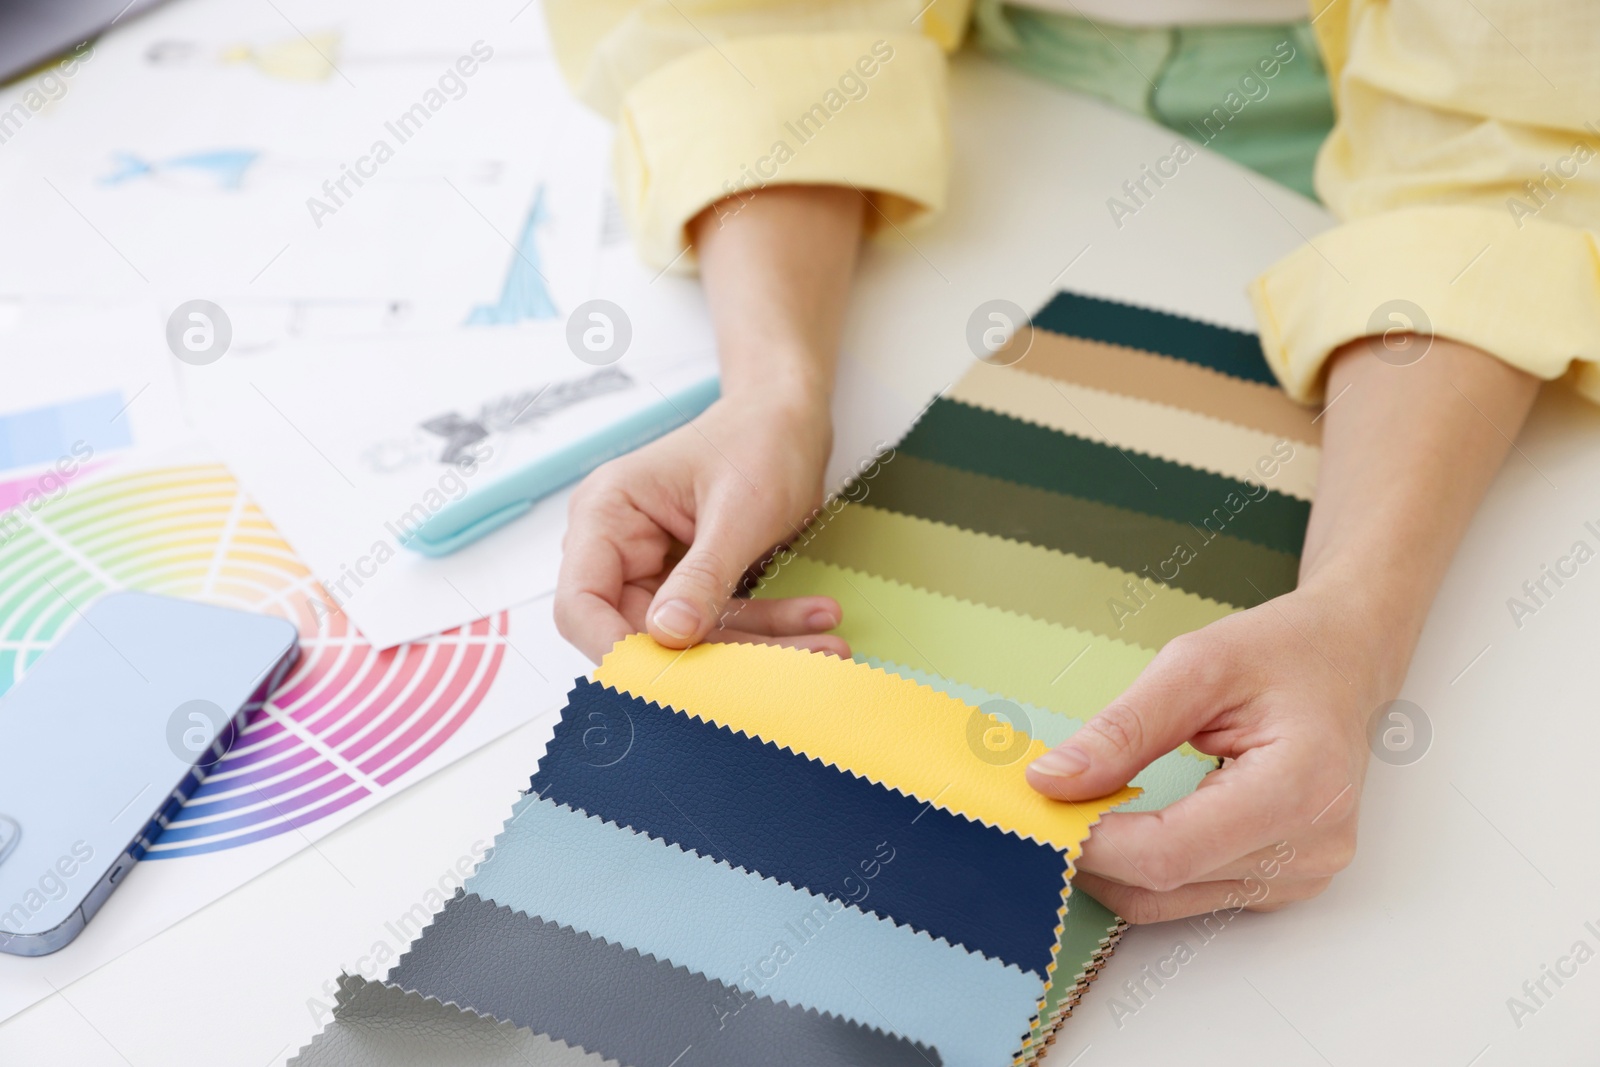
(1281,692)
(739,480)
(1285,689)
(745,476)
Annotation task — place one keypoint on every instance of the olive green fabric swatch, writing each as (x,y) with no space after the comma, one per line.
(1027,579)
(1000,446)
(1089,926)
(1069,671)
(1223,568)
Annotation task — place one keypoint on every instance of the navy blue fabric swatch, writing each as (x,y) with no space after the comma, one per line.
(747,802)
(1229,351)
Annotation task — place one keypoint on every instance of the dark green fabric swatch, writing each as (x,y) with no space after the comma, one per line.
(983,442)
(1229,351)
(1224,568)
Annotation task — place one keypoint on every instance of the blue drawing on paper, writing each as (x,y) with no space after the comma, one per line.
(524,295)
(226,166)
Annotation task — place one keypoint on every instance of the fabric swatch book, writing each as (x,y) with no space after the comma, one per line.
(744,853)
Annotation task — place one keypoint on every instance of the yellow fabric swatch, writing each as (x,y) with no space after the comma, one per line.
(887,729)
(1028,579)
(1138,425)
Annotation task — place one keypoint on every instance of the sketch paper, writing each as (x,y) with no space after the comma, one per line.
(214,152)
(349,447)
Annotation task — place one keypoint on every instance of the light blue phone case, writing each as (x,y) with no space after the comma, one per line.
(106,736)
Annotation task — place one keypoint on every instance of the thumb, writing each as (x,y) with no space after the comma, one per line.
(1165,706)
(688,604)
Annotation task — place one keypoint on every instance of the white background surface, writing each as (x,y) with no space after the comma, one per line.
(1477,865)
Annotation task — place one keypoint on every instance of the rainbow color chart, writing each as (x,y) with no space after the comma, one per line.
(349,720)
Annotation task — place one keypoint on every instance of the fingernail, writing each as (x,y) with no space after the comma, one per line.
(677,619)
(822,619)
(1061,763)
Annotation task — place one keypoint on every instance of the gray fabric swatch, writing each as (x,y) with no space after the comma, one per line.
(613,1001)
(379,1025)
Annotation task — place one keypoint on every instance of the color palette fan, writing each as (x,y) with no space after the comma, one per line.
(745,853)
(349,722)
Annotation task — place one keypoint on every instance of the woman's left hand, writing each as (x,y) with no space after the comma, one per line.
(1278,692)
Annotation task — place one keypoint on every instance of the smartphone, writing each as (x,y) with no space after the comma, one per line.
(106,736)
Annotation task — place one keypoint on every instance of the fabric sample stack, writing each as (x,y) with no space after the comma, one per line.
(748,854)
(1114,477)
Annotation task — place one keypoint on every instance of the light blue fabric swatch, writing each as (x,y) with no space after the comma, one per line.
(772,939)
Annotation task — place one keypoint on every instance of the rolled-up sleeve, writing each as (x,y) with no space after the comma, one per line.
(711,99)
(1464,168)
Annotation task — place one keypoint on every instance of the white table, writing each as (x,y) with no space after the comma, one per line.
(1478,863)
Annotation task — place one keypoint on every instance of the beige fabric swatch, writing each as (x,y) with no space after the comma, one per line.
(1137,425)
(1165,380)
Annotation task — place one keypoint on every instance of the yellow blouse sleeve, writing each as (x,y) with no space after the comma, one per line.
(714,97)
(1464,168)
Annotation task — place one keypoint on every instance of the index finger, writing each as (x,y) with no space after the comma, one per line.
(589,588)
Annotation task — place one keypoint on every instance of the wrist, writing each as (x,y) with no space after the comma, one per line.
(1367,623)
(785,384)
(780,410)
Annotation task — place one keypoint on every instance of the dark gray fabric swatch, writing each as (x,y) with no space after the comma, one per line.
(614,1002)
